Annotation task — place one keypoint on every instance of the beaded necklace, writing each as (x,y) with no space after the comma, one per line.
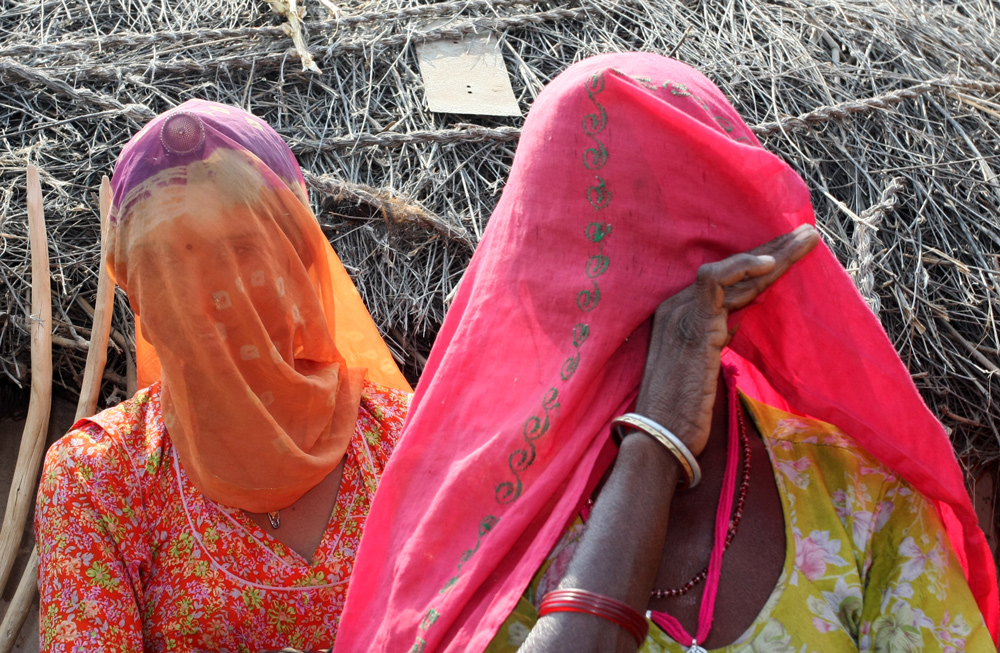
(724,534)
(734,523)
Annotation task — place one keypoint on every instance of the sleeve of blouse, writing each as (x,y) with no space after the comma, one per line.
(916,597)
(90,543)
(388,407)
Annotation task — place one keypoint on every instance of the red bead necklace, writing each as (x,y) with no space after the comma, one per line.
(734,522)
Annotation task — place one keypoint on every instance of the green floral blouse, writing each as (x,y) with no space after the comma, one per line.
(867,567)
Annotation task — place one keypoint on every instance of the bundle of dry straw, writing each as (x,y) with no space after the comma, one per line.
(900,144)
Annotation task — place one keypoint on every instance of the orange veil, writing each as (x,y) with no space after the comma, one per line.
(247,315)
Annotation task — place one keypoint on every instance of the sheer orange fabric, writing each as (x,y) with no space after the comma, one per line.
(247,315)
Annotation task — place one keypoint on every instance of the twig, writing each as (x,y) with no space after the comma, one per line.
(971,348)
(134,40)
(20,605)
(11,69)
(388,208)
(90,388)
(36,426)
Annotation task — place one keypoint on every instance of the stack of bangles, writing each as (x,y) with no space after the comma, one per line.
(635,422)
(605,607)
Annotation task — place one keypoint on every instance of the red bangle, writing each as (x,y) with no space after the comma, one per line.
(605,607)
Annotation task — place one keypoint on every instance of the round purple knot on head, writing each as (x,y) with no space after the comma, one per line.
(182,133)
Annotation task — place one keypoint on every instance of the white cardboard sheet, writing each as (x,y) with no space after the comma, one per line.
(467,76)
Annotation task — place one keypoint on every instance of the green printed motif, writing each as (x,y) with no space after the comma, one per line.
(521,459)
(429,619)
(596,231)
(580,333)
(598,195)
(595,157)
(485,526)
(597,265)
(594,123)
(681,90)
(587,300)
(677,89)
(537,425)
(724,123)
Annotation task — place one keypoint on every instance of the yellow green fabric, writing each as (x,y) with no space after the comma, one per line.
(867,563)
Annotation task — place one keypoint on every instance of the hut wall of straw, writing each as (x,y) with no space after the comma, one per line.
(889,109)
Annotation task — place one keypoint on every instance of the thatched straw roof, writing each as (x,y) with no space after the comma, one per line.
(902,167)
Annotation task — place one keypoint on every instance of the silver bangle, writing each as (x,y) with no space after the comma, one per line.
(673,444)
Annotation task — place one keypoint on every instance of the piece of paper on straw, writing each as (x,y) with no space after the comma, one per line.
(467,76)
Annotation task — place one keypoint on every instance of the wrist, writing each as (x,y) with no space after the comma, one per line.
(670,442)
(646,458)
(599,605)
(687,429)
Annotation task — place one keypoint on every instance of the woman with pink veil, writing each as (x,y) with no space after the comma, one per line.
(660,416)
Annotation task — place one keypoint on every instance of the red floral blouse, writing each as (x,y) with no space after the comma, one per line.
(133,558)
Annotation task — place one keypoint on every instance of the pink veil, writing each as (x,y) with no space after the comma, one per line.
(632,171)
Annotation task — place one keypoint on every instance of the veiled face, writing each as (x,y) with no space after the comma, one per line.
(241,305)
(210,247)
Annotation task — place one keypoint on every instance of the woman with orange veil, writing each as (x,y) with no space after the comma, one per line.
(220,507)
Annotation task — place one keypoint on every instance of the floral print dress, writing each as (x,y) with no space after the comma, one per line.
(867,565)
(133,558)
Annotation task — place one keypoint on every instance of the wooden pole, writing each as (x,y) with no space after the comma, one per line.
(19,606)
(36,426)
(90,391)
(97,355)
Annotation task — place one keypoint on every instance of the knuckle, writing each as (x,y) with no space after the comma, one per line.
(707,273)
(747,259)
(688,328)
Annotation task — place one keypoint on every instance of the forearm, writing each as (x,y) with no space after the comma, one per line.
(620,553)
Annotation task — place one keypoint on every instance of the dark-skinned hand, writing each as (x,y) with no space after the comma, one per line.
(690,330)
(678,391)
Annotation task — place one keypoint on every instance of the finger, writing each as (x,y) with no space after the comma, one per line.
(737,280)
(713,278)
(792,248)
(735,269)
(796,245)
(776,245)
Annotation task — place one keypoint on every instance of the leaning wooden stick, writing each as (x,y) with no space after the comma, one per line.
(97,355)
(29,456)
(131,379)
(90,391)
(17,612)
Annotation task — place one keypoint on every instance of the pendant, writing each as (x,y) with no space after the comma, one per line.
(275,519)
(694,648)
